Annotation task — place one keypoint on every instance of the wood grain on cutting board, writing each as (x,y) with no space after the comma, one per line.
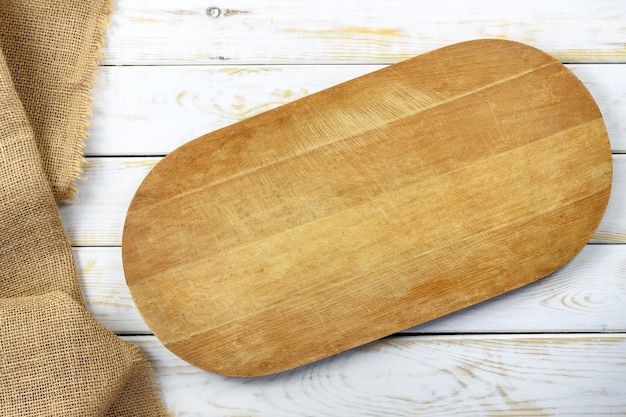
(367,208)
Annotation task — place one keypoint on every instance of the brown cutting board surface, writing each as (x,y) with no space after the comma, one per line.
(367,208)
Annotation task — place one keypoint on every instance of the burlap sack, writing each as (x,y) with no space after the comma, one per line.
(55,359)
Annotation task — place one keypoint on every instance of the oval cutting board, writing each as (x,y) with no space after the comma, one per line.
(367,208)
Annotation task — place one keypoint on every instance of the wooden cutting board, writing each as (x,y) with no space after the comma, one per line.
(368,208)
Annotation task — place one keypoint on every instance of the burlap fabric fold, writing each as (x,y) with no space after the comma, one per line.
(55,359)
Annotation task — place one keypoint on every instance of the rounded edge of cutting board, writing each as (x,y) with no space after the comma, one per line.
(178,304)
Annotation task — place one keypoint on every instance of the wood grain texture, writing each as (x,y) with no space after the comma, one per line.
(344,217)
(367,31)
(153,110)
(586,295)
(578,375)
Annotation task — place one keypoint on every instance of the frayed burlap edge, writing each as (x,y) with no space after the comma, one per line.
(86,98)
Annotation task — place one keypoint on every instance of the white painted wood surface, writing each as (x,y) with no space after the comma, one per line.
(492,375)
(367,31)
(588,294)
(97,217)
(138,114)
(171,73)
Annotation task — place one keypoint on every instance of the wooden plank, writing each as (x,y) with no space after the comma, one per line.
(436,376)
(105,292)
(607,84)
(369,31)
(153,110)
(588,294)
(96,218)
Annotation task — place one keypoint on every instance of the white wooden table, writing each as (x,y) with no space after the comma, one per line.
(171,72)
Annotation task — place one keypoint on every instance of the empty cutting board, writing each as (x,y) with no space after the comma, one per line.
(367,208)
